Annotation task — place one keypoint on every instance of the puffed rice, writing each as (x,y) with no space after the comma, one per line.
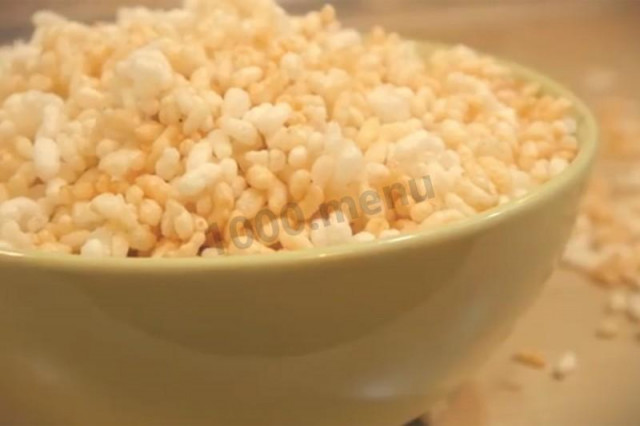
(531,359)
(605,245)
(156,134)
(566,365)
(608,329)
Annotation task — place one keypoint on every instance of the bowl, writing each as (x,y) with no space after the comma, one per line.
(357,335)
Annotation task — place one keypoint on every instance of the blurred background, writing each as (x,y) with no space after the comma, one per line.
(592,46)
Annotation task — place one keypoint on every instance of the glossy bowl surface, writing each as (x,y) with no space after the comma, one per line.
(358,335)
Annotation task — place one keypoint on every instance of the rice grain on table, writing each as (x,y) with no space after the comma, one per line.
(531,359)
(565,366)
(608,328)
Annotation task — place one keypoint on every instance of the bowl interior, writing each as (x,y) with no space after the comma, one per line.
(587,134)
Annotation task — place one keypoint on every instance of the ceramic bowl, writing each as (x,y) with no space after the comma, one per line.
(359,335)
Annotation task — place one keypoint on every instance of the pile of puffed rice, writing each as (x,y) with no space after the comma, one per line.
(152,135)
(606,241)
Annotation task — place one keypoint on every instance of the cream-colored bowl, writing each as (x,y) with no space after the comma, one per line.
(366,335)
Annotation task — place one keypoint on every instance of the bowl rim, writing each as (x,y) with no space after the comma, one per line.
(588,134)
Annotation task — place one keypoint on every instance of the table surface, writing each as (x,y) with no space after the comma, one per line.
(603,391)
(567,39)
